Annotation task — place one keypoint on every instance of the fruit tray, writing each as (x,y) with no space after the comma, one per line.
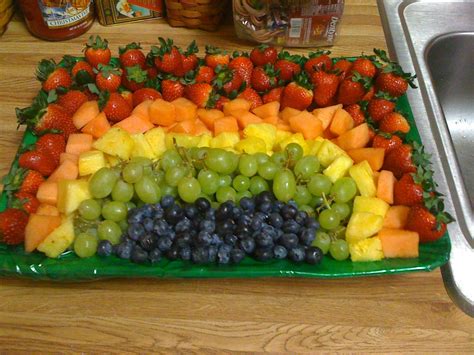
(69,267)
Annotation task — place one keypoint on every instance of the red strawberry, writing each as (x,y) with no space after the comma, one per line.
(325,88)
(135,78)
(201,94)
(72,100)
(386,141)
(171,89)
(204,74)
(82,66)
(356,113)
(41,162)
(167,57)
(52,144)
(370,93)
(115,106)
(398,160)
(243,66)
(108,78)
(298,94)
(252,96)
(227,80)
(26,201)
(220,102)
(379,107)
(97,51)
(12,226)
(343,68)
(189,58)
(273,95)
(131,55)
(32,179)
(394,122)
(351,90)
(145,94)
(364,66)
(152,72)
(428,226)
(51,76)
(394,81)
(406,192)
(128,96)
(288,65)
(319,60)
(215,56)
(264,78)
(263,54)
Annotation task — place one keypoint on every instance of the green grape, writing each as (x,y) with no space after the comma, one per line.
(322,241)
(344,189)
(279,158)
(319,184)
(158,176)
(201,153)
(167,190)
(284,185)
(90,209)
(102,182)
(302,196)
(189,189)
(294,151)
(123,224)
(225,193)
(316,201)
(215,204)
(268,170)
(169,159)
(306,167)
(130,205)
(234,161)
(257,185)
(114,211)
(143,161)
(85,245)
(132,172)
(241,194)
(342,209)
(339,250)
(175,174)
(147,191)
(220,161)
(248,165)
(329,219)
(92,232)
(339,232)
(308,209)
(261,158)
(122,191)
(209,181)
(109,230)
(241,183)
(224,180)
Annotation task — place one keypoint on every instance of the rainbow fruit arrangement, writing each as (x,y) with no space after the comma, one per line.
(267,155)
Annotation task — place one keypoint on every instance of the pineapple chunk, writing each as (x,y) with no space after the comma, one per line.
(328,152)
(156,138)
(115,142)
(71,193)
(338,168)
(59,239)
(371,204)
(112,161)
(204,140)
(265,131)
(364,178)
(182,140)
(295,138)
(251,145)
(141,148)
(91,161)
(280,136)
(314,145)
(225,140)
(363,225)
(369,249)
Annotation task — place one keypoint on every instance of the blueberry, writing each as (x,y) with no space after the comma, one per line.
(263,254)
(247,245)
(207,225)
(225,227)
(200,255)
(300,217)
(307,236)
(242,232)
(210,214)
(202,204)
(139,255)
(245,220)
(167,201)
(135,231)
(247,204)
(314,255)
(185,253)
(148,224)
(212,253)
(224,212)
(311,223)
(183,239)
(173,253)
(276,220)
(291,226)
(154,256)
(280,252)
(223,255)
(164,243)
(237,255)
(204,238)
(264,196)
(161,228)
(230,239)
(183,225)
(277,205)
(256,224)
(260,215)
(288,240)
(158,211)
(174,214)
(216,240)
(265,207)
(147,242)
(191,211)
(288,211)
(236,213)
(124,249)
(297,253)
(147,210)
(264,240)
(135,216)
(104,248)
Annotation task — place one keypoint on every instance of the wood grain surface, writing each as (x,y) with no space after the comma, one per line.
(405,313)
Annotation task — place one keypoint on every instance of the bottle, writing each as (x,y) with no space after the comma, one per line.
(57,20)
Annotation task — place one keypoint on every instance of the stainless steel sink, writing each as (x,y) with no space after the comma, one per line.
(435,39)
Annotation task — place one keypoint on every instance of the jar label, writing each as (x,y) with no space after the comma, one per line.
(64,13)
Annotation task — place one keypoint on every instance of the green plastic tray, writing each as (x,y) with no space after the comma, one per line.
(68,267)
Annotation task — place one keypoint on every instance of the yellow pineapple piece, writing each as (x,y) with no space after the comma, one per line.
(112,161)
(369,249)
(156,138)
(251,145)
(314,145)
(280,136)
(363,225)
(181,139)
(370,204)
(71,193)
(225,140)
(364,178)
(338,168)
(265,131)
(115,142)
(59,239)
(141,147)
(295,138)
(204,140)
(91,161)
(328,152)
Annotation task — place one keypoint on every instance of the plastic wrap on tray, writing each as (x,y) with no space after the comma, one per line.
(291,23)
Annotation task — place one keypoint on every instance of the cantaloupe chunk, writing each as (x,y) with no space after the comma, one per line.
(162,112)
(200,128)
(236,105)
(341,122)
(399,243)
(283,126)
(374,156)
(47,210)
(326,114)
(135,124)
(78,143)
(143,109)
(208,116)
(98,126)
(225,124)
(385,184)
(396,217)
(307,124)
(68,156)
(38,228)
(267,110)
(272,120)
(245,118)
(66,171)
(48,193)
(85,113)
(187,127)
(357,137)
(288,112)
(185,109)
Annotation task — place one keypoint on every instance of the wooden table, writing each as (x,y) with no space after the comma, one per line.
(406,313)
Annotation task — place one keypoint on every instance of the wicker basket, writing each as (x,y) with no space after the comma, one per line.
(203,14)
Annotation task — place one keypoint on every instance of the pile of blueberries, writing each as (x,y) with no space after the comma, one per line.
(261,227)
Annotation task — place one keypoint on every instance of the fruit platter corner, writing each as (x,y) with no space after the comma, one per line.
(198,162)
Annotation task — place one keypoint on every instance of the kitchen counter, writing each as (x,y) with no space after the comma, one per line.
(404,313)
